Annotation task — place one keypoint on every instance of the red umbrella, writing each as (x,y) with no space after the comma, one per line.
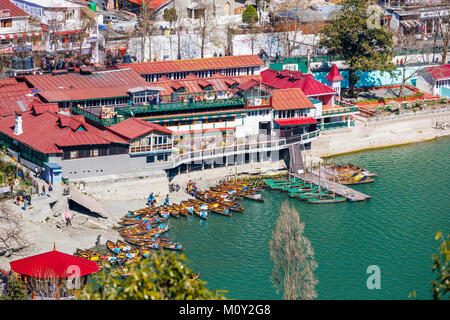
(54,264)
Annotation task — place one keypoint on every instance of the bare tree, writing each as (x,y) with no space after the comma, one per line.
(291,26)
(207,27)
(293,257)
(443,28)
(11,233)
(145,27)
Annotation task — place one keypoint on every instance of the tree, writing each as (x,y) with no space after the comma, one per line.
(291,25)
(441,266)
(162,276)
(249,15)
(170,15)
(364,45)
(293,257)
(145,27)
(11,232)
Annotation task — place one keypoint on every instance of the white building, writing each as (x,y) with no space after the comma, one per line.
(60,21)
(16,34)
(435,80)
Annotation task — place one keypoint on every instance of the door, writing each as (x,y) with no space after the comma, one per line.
(227,9)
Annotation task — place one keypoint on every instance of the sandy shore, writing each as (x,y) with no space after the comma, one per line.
(378,134)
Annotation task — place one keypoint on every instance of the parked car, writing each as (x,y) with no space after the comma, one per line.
(110,19)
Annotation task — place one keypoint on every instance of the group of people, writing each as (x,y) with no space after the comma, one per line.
(191,188)
(210,96)
(23,201)
(153,200)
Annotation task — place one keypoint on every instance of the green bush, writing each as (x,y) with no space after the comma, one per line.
(162,276)
(249,15)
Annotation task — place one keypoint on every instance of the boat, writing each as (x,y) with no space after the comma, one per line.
(123,246)
(256,197)
(113,247)
(320,200)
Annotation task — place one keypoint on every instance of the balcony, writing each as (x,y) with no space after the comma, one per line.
(238,147)
(179,106)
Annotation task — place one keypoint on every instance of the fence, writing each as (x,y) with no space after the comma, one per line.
(410,113)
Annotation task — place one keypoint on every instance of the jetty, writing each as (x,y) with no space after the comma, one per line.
(339,189)
(327,179)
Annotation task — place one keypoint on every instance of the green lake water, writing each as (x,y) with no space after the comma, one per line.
(394,230)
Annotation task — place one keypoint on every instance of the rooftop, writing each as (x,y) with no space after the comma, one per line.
(49,131)
(288,99)
(214,63)
(132,128)
(295,79)
(439,72)
(14,11)
(52,3)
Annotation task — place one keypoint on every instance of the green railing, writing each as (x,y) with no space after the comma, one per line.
(340,110)
(336,125)
(95,118)
(179,106)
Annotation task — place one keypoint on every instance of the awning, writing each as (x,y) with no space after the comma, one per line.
(53,264)
(410,23)
(295,121)
(20,35)
(68,32)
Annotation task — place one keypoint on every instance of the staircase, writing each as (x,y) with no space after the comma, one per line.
(296,158)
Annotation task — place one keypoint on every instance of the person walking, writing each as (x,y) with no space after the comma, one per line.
(67,215)
(43,189)
(36,171)
(166,201)
(157,199)
(50,189)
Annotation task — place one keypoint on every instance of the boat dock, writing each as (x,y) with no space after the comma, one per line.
(339,189)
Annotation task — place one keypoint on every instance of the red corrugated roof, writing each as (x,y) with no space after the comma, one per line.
(295,121)
(154,4)
(14,11)
(13,96)
(306,82)
(248,84)
(439,72)
(197,85)
(132,128)
(76,86)
(287,99)
(38,107)
(48,132)
(334,74)
(187,65)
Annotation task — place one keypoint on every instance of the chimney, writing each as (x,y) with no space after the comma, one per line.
(18,125)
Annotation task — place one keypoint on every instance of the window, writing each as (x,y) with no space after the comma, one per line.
(6,23)
(73,154)
(150,159)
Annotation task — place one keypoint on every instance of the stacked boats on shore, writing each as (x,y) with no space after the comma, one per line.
(301,189)
(351,174)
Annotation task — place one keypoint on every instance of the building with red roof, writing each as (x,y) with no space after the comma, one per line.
(205,67)
(435,80)
(296,79)
(45,134)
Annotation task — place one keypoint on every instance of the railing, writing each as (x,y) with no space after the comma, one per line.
(229,150)
(340,110)
(95,118)
(258,101)
(165,147)
(336,125)
(174,106)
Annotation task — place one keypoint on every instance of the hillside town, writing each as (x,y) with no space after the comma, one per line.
(104,102)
